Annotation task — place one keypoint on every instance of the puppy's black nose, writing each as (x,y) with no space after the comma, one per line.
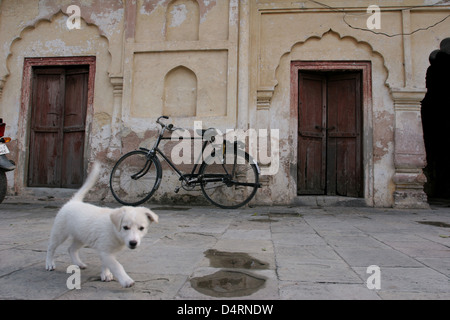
(133,244)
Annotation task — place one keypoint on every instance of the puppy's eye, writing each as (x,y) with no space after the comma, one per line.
(126,228)
(141,228)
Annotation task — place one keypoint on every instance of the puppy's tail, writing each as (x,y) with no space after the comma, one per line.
(88,184)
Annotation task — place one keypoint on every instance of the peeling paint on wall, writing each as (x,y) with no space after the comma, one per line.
(134,57)
(148,6)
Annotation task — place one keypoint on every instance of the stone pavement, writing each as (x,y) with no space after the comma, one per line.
(252,253)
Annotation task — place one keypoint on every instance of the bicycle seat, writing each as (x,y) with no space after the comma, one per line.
(208,134)
(210,131)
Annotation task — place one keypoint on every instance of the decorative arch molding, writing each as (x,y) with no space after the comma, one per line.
(51,18)
(266,87)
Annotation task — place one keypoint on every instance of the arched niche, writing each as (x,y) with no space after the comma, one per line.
(182,20)
(180,93)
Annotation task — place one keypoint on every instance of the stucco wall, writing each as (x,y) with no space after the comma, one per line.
(231,60)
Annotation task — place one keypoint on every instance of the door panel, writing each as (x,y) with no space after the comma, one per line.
(48,99)
(45,138)
(311,139)
(74,127)
(72,160)
(344,144)
(76,99)
(44,168)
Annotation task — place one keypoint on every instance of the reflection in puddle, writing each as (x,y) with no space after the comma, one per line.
(228,284)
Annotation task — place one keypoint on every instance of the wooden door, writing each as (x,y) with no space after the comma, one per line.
(344,169)
(76,90)
(59,103)
(311,171)
(329,136)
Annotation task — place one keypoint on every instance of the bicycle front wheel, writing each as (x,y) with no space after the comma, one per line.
(135,178)
(231,183)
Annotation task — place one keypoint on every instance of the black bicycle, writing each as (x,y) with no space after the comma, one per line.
(228,180)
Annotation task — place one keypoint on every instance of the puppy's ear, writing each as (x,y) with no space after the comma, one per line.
(116,218)
(153,217)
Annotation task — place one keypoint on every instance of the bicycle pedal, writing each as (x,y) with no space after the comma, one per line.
(177,189)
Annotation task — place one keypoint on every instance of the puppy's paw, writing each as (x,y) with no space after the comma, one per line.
(82,266)
(127,283)
(106,276)
(50,265)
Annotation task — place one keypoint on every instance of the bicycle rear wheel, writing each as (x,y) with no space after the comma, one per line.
(135,178)
(232,184)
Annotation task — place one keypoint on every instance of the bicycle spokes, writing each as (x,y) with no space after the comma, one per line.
(143,171)
(135,178)
(230,185)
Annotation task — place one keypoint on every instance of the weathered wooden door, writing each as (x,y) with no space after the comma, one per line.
(311,138)
(329,134)
(59,104)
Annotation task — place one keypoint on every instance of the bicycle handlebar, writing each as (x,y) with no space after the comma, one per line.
(163,125)
(159,122)
(170,127)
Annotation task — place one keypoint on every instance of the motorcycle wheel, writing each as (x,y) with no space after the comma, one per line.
(3,185)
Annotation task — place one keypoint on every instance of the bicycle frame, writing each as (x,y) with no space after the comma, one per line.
(193,176)
(155,150)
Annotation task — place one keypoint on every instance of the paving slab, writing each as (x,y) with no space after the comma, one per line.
(268,253)
(325,291)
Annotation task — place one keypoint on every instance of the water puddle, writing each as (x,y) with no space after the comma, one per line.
(228,284)
(235,260)
(435,224)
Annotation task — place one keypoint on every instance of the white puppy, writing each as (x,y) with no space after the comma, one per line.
(104,229)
